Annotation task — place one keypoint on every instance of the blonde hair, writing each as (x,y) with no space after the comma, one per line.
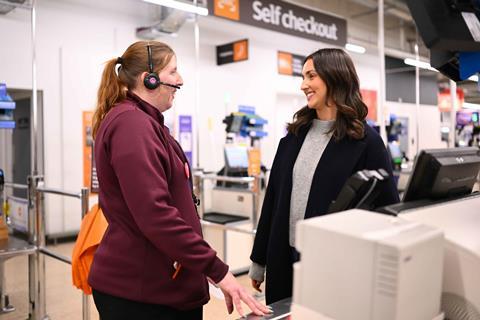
(134,61)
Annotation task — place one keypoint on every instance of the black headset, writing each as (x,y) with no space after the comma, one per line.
(152,80)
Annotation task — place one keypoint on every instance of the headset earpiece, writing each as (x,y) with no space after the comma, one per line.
(151,80)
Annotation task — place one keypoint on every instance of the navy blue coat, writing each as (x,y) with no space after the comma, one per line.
(339,161)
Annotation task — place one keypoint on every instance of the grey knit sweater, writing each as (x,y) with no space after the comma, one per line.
(307,160)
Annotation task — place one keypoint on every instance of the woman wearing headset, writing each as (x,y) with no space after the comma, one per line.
(327,142)
(152,262)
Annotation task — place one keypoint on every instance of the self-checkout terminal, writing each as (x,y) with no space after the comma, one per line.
(236,193)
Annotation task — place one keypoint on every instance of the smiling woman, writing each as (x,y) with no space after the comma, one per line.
(327,142)
(329,77)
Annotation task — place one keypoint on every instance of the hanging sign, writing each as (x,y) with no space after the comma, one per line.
(232,52)
(290,64)
(254,162)
(445,100)
(283,17)
(89,170)
(185,136)
(369,97)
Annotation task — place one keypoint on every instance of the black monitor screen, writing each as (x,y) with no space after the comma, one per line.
(236,124)
(443,173)
(445,24)
(449,28)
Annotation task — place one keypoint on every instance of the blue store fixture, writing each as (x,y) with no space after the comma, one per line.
(7,105)
(246,123)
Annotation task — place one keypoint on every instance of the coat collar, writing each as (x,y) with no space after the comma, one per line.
(334,148)
(338,161)
(146,107)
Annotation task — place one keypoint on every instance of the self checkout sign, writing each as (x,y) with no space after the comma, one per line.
(232,52)
(283,17)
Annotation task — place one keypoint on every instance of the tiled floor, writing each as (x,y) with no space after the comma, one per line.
(65,301)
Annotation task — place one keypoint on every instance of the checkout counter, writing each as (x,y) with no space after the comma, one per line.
(436,277)
(436,269)
(416,260)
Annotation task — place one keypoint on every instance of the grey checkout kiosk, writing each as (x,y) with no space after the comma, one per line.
(230,209)
(230,216)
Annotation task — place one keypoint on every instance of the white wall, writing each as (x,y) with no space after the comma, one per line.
(76,37)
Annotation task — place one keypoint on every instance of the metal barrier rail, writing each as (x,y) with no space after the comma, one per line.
(83,195)
(55,255)
(226,178)
(16,185)
(36,233)
(59,192)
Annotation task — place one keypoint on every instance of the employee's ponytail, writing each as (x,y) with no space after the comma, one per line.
(110,92)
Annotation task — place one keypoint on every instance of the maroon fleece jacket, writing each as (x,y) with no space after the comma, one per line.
(146,197)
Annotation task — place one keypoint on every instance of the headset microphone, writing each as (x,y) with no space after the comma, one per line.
(152,80)
(170,85)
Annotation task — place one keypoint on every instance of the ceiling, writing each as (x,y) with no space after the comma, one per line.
(362,15)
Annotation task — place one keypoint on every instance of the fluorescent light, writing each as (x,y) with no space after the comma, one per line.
(420,64)
(473,106)
(355,48)
(474,78)
(180,5)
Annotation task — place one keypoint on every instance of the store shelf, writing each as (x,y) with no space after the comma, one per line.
(10,105)
(7,124)
(15,247)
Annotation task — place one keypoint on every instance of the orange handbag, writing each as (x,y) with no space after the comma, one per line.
(91,233)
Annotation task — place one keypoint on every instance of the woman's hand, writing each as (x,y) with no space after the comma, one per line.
(235,293)
(256,285)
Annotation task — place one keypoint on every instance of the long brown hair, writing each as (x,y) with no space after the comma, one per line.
(336,69)
(134,61)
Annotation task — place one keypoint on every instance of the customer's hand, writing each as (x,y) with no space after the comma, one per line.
(235,293)
(256,285)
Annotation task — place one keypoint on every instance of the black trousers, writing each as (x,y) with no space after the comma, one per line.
(114,308)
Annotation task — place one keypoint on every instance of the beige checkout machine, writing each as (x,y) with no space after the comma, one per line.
(229,209)
(422,262)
